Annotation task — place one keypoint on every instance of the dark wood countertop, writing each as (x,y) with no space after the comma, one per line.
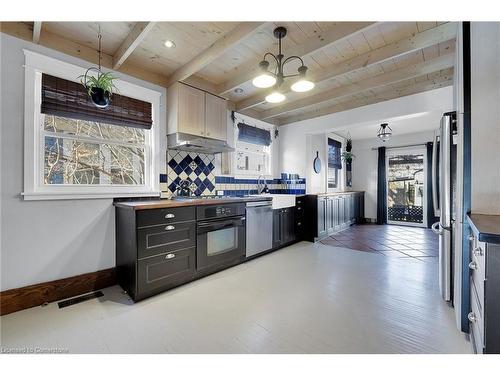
(171,203)
(485,227)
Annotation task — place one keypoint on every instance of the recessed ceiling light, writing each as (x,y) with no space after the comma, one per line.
(169,44)
(238,90)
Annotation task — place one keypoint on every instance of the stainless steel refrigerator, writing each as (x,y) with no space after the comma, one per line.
(444,163)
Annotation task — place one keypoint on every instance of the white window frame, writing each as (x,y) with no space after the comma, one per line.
(249,174)
(34,187)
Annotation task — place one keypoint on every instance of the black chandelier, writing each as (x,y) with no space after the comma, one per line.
(385,132)
(269,78)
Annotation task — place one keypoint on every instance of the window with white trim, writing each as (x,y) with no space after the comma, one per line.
(68,157)
(81,152)
(253,151)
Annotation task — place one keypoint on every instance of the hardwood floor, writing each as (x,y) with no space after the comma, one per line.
(306,298)
(389,240)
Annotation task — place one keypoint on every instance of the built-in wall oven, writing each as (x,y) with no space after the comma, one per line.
(221,235)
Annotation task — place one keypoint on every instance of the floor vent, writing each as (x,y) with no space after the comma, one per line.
(74,301)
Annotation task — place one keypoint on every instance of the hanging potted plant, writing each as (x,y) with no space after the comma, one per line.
(348,156)
(99,87)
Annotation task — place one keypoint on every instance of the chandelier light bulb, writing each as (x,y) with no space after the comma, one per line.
(275,97)
(302,85)
(264,80)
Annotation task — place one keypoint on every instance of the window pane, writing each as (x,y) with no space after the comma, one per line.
(70,162)
(64,125)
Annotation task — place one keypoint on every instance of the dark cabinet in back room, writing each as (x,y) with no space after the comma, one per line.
(327,214)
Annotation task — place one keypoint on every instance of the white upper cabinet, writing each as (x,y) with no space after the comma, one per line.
(215,117)
(196,112)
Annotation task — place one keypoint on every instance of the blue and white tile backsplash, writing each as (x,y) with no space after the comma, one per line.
(196,168)
(199,170)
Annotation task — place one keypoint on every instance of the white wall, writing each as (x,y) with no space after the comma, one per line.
(293,137)
(365,164)
(485,117)
(315,182)
(46,240)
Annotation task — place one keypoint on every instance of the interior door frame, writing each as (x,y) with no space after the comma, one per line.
(407,150)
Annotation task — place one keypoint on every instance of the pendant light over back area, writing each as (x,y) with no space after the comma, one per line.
(268,78)
(385,132)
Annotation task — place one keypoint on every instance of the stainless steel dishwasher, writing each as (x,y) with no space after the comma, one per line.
(259,227)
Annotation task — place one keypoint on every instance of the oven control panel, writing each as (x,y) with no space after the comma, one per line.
(220,210)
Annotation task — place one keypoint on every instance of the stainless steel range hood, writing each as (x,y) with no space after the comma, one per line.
(193,143)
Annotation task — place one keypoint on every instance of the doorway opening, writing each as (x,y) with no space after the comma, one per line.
(406,187)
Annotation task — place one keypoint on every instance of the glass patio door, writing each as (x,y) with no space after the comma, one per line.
(406,186)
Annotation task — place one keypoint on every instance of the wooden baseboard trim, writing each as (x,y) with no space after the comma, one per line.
(13,300)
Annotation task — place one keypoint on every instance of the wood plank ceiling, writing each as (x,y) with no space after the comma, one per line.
(352,63)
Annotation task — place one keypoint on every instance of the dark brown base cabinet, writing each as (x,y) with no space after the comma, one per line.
(288,224)
(331,213)
(155,249)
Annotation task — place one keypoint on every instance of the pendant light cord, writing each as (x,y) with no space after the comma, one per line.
(99,37)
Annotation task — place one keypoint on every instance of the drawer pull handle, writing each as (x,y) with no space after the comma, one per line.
(170,256)
(478,251)
(169,216)
(299,208)
(169,227)
(472,317)
(473,265)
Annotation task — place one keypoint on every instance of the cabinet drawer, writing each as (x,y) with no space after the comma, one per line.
(477,322)
(165,216)
(165,270)
(165,238)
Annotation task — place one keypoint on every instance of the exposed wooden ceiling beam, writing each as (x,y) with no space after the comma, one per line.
(432,84)
(384,79)
(305,48)
(37,29)
(56,42)
(421,40)
(133,39)
(221,45)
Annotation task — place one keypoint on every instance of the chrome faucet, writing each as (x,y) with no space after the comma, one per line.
(262,188)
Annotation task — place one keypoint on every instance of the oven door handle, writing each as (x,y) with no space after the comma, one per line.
(212,226)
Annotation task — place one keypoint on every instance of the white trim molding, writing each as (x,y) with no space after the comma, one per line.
(34,189)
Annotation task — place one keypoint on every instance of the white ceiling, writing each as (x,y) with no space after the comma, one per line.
(414,123)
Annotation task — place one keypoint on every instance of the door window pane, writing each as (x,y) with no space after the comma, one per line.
(405,188)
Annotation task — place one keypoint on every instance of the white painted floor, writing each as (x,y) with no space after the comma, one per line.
(307,298)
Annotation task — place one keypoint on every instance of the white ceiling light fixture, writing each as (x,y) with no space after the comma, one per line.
(385,132)
(302,84)
(275,97)
(169,44)
(265,79)
(276,78)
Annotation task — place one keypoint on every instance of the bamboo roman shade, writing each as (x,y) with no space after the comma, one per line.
(64,98)
(251,134)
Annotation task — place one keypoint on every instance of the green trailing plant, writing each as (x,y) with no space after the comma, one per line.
(104,81)
(347,155)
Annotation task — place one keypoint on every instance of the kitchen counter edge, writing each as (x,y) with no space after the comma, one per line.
(485,227)
(171,203)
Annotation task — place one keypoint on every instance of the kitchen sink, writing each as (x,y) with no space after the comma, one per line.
(279,200)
